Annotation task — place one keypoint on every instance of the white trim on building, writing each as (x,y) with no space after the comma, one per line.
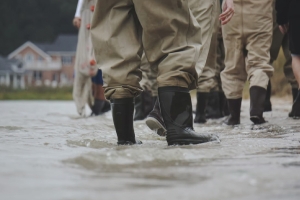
(31,45)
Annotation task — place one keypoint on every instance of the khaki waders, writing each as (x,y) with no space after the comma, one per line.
(171,39)
(207,62)
(247,39)
(170,35)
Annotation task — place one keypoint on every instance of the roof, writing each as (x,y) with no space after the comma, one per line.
(5,64)
(63,43)
(31,45)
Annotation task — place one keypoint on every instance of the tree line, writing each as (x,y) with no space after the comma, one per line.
(34,20)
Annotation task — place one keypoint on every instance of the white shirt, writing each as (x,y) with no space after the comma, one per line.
(79,8)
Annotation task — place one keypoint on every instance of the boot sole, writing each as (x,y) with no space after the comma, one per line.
(187,142)
(257,120)
(155,125)
(129,143)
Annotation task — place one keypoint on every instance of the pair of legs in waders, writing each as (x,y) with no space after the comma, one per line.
(169,34)
(211,102)
(205,67)
(247,57)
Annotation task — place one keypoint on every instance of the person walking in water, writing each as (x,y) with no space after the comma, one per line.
(171,37)
(288,18)
(207,14)
(281,41)
(88,79)
(247,39)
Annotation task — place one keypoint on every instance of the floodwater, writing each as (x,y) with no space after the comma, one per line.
(47,152)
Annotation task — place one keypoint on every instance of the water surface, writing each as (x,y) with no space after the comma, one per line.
(48,152)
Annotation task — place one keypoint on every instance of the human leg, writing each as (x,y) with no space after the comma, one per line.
(116,36)
(258,40)
(206,82)
(207,79)
(234,75)
(144,102)
(154,120)
(219,68)
(172,41)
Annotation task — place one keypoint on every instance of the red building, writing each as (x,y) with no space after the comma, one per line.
(48,64)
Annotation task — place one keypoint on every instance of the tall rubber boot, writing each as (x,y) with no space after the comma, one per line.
(98,107)
(176,109)
(234,107)
(155,121)
(213,106)
(257,99)
(223,104)
(295,94)
(122,112)
(267,103)
(202,99)
(143,105)
(296,107)
(106,107)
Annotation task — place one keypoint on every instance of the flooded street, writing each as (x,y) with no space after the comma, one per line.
(47,152)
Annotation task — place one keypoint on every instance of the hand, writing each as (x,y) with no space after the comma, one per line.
(284,28)
(228,12)
(77,22)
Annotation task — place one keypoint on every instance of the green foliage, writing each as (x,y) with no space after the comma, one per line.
(38,93)
(34,20)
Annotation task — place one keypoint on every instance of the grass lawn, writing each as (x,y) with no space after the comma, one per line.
(40,93)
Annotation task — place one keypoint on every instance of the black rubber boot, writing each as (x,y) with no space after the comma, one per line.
(223,104)
(295,94)
(98,107)
(257,99)
(296,107)
(234,107)
(143,105)
(267,103)
(213,110)
(122,112)
(202,99)
(155,121)
(106,107)
(176,109)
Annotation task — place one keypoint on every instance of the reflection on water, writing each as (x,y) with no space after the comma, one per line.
(47,150)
